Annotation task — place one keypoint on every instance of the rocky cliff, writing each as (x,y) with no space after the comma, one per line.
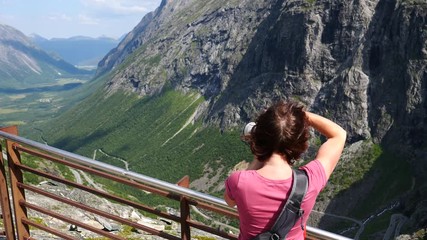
(362,63)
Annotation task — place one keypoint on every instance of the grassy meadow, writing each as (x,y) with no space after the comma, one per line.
(30,107)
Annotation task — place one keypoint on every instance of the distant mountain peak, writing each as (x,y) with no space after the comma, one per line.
(78,50)
(24,64)
(34,36)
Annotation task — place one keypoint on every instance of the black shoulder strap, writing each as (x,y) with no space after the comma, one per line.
(292,210)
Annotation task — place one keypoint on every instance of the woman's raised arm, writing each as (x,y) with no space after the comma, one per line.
(330,151)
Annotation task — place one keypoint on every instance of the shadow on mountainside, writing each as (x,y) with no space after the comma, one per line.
(273,56)
(371,200)
(394,183)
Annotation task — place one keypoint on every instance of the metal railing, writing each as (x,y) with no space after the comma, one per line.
(18,225)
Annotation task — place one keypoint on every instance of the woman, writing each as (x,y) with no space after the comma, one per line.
(280,137)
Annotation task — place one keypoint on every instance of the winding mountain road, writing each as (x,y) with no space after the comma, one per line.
(396,223)
(360,223)
(126,164)
(78,176)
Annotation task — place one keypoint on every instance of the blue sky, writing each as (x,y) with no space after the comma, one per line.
(67,18)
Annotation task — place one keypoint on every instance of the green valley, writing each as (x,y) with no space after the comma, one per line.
(31,106)
(157,136)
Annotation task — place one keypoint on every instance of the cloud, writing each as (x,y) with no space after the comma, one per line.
(87,20)
(7,18)
(59,17)
(65,18)
(119,7)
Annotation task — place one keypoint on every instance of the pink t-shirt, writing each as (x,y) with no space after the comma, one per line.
(258,199)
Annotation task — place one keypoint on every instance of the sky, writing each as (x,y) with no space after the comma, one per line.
(68,18)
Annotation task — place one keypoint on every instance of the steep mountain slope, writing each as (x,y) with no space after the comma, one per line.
(24,65)
(361,63)
(80,51)
(317,50)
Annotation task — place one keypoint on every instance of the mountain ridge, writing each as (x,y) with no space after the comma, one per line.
(352,63)
(23,64)
(78,50)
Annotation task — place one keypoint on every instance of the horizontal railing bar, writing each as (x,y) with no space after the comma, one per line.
(69,220)
(127,202)
(209,207)
(214,208)
(99,193)
(119,171)
(98,212)
(98,172)
(48,229)
(211,230)
(324,235)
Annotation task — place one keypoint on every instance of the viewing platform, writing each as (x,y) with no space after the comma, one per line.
(186,221)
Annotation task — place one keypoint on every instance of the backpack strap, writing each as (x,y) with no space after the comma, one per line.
(292,210)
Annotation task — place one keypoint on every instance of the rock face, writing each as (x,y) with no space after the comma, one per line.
(362,63)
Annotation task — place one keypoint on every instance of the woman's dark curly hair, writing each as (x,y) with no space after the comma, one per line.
(282,129)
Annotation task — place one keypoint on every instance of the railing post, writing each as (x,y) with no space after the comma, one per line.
(9,229)
(18,194)
(185,216)
(184,182)
(185,210)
